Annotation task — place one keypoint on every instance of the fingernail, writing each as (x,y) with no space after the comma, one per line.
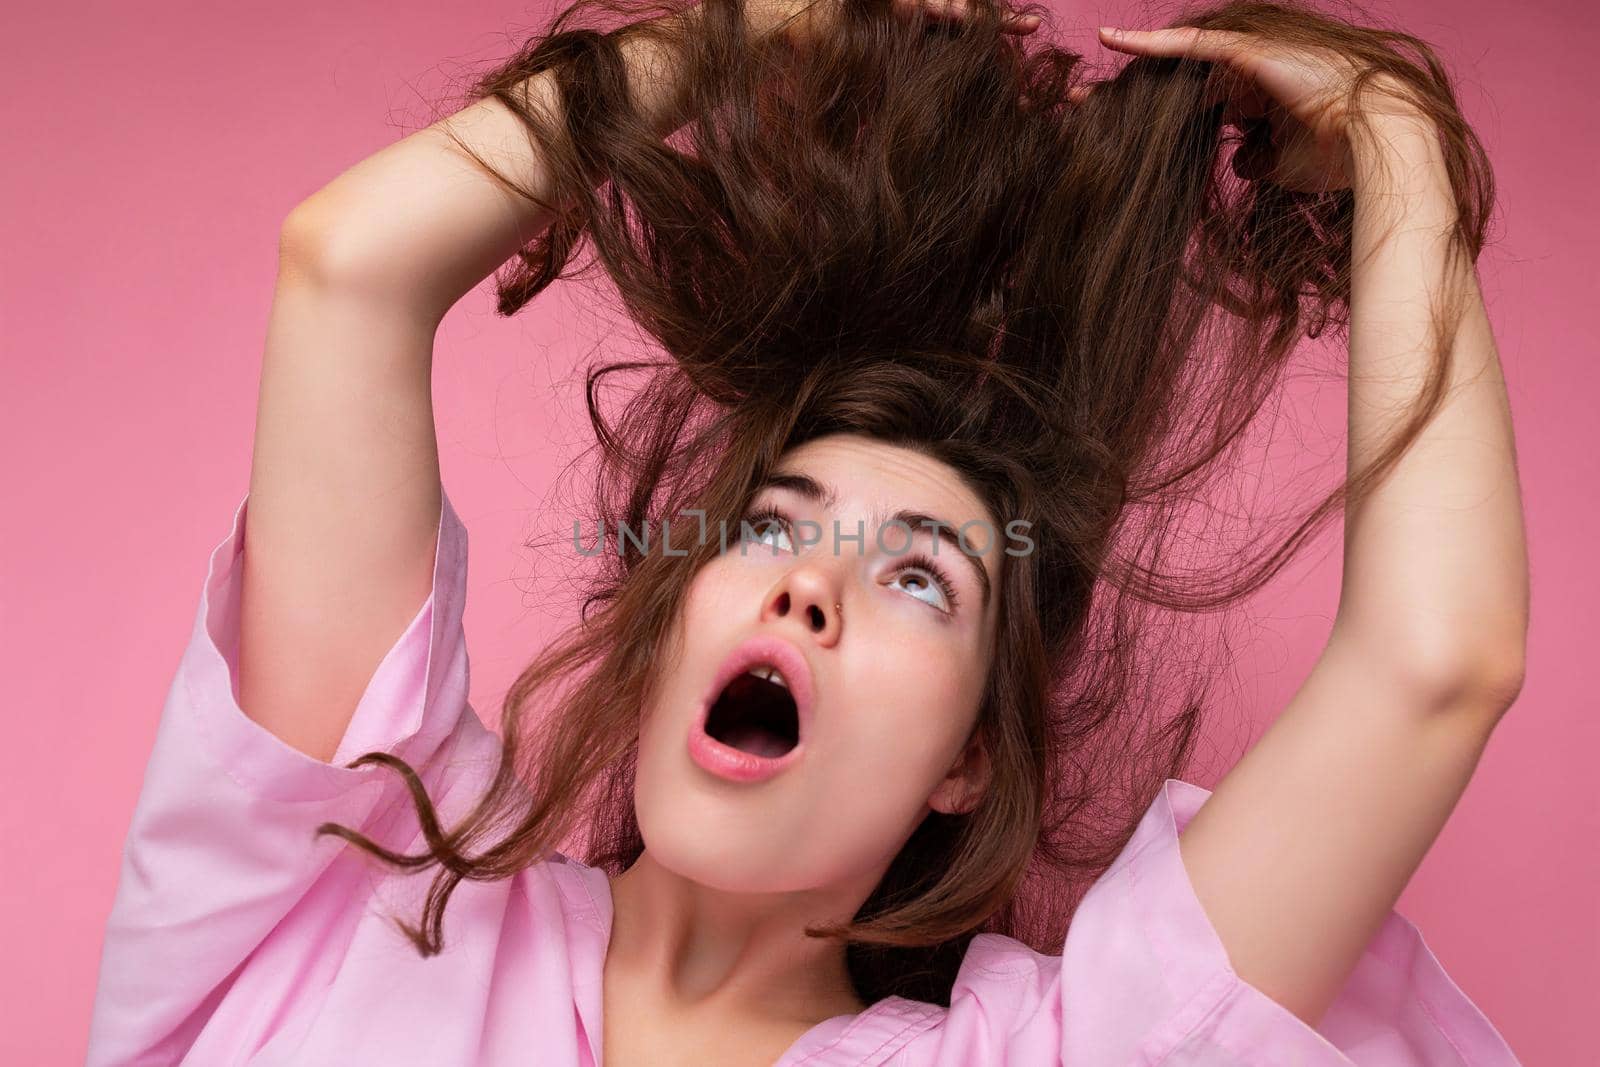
(1110,31)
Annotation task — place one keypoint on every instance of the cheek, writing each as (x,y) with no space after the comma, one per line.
(907,709)
(924,683)
(907,714)
(722,592)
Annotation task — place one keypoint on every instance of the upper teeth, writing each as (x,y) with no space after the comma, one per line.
(770,674)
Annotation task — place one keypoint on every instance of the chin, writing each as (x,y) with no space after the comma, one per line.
(727,861)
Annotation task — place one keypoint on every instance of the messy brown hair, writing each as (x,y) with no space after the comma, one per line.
(918,234)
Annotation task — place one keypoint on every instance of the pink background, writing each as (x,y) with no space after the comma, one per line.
(152,151)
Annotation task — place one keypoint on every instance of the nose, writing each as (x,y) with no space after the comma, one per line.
(811,597)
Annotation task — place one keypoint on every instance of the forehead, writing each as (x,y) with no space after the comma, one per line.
(866,474)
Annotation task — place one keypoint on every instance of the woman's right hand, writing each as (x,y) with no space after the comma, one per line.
(804,22)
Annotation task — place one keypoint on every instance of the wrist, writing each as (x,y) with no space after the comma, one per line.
(1394,150)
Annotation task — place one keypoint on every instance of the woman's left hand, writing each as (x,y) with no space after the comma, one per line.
(1291,101)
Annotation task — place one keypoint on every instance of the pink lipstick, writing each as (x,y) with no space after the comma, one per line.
(736,765)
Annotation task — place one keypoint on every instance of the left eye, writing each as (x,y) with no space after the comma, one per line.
(924,588)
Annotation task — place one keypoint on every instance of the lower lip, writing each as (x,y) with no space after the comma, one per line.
(732,764)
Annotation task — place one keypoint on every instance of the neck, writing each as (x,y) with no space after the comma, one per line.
(746,954)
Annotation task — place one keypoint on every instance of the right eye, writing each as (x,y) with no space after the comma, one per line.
(771,528)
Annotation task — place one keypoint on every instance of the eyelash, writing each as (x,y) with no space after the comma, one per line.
(919,561)
(916,561)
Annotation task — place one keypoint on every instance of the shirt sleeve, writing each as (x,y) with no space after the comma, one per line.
(221,845)
(1144,978)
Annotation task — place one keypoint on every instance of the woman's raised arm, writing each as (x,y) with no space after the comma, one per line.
(344,485)
(1305,845)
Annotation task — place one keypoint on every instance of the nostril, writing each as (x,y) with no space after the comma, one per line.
(783,604)
(817,621)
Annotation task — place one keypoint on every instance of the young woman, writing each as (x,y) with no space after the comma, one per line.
(862,709)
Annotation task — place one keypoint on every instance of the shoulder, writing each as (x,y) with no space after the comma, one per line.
(1146,877)
(1132,959)
(581,893)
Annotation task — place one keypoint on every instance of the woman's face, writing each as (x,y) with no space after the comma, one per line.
(895,654)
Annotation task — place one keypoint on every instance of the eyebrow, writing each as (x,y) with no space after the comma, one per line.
(825,497)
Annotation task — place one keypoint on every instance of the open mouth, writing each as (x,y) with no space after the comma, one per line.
(756,713)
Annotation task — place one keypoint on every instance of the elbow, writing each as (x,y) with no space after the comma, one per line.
(1477,679)
(305,243)
(316,244)
(325,246)
(1442,667)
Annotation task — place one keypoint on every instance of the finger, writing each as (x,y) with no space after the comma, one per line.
(1020,24)
(1078,93)
(1224,46)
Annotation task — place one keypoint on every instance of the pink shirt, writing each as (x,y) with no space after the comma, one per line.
(238,938)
